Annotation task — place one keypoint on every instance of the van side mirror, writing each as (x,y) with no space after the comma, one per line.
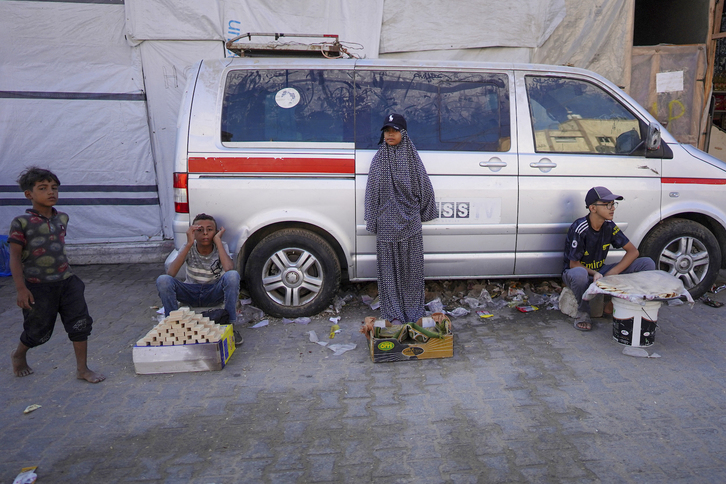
(652,140)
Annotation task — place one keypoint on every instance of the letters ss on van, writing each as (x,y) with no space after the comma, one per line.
(279,149)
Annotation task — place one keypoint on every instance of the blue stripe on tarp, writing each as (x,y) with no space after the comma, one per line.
(92,188)
(81,96)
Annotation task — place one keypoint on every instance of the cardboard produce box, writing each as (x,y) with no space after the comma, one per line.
(409,343)
(184,342)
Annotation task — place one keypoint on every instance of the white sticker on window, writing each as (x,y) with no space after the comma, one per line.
(287,98)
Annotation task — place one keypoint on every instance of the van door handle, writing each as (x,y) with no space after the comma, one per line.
(494,164)
(544,164)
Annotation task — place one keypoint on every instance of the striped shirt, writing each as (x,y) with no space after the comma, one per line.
(204,269)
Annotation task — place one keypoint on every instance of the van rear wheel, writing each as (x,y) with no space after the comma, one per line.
(292,273)
(686,250)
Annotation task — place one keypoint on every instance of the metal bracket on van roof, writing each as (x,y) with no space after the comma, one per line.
(329,46)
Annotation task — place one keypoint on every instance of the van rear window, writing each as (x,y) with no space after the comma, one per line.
(288,105)
(445,111)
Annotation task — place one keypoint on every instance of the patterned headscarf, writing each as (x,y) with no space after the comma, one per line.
(399,194)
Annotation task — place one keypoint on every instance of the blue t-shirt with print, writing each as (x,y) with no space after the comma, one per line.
(589,246)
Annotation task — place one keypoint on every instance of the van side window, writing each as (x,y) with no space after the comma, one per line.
(299,105)
(573,116)
(444,111)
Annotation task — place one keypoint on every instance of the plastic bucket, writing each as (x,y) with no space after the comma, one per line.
(634,324)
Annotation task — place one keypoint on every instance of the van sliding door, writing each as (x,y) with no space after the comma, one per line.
(460,123)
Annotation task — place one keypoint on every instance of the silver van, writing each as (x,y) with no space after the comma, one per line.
(278,149)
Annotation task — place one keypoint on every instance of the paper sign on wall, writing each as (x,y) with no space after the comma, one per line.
(669,81)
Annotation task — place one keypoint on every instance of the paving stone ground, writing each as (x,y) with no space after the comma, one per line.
(526,398)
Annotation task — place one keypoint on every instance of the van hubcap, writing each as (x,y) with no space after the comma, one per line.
(292,277)
(686,258)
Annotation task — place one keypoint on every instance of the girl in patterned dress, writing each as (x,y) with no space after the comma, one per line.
(399,197)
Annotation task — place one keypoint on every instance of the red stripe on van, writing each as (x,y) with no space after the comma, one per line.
(271,165)
(695,181)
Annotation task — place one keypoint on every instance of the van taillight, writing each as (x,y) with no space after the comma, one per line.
(181,196)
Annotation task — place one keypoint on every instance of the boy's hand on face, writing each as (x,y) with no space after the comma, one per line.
(190,233)
(25,298)
(218,235)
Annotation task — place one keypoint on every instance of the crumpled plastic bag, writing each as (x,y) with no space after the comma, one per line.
(435,306)
(458,312)
(337,349)
(639,352)
(249,314)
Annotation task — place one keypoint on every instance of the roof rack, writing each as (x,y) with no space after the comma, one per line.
(329,46)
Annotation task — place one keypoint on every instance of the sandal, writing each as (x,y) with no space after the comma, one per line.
(582,318)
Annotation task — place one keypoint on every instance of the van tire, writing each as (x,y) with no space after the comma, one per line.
(687,250)
(291,291)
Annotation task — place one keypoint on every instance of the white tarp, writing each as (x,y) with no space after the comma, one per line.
(173,20)
(72,100)
(415,25)
(355,21)
(595,35)
(165,74)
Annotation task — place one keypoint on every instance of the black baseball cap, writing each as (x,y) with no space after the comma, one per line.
(395,121)
(600,193)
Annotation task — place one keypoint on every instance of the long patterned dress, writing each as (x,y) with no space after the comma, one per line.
(399,197)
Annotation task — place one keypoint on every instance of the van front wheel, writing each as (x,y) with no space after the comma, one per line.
(292,273)
(686,250)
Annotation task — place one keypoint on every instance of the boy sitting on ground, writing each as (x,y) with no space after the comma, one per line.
(210,275)
(586,249)
(43,279)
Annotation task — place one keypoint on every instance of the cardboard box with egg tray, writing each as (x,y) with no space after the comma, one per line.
(397,343)
(184,342)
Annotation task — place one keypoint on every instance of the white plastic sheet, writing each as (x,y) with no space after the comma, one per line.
(72,100)
(355,21)
(166,67)
(415,25)
(593,35)
(173,20)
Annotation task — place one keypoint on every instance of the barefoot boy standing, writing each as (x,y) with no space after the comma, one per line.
(45,284)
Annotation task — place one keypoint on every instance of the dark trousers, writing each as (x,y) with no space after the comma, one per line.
(52,298)
(578,280)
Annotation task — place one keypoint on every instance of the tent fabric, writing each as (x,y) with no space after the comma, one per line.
(415,25)
(566,32)
(173,20)
(490,54)
(166,67)
(58,47)
(597,37)
(72,100)
(355,21)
